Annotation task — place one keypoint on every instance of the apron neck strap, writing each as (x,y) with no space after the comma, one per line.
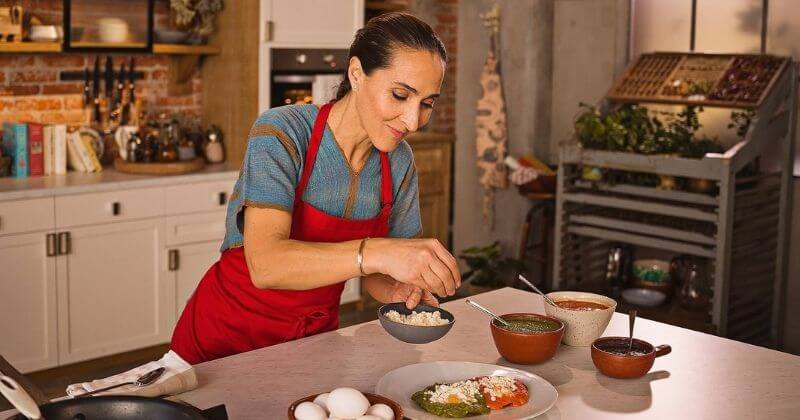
(386,180)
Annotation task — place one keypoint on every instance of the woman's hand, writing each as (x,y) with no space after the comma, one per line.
(412,295)
(423,263)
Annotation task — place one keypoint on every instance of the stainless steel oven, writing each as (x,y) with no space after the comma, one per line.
(307,75)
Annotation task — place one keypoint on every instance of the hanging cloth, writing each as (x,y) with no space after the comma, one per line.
(490,127)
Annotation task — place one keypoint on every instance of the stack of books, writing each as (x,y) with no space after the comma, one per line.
(37,150)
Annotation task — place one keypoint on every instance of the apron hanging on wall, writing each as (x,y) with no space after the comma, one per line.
(491,134)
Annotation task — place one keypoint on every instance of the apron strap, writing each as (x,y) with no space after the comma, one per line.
(386,180)
(313,148)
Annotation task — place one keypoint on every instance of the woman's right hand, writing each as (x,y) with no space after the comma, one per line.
(424,263)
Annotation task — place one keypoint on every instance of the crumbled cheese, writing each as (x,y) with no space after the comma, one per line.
(464,391)
(497,386)
(424,319)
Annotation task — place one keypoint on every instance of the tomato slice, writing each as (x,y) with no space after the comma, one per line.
(515,398)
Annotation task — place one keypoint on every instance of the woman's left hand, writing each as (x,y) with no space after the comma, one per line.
(412,295)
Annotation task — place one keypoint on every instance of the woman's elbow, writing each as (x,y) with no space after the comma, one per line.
(261,277)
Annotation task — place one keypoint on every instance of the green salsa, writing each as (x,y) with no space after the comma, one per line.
(529,324)
(452,410)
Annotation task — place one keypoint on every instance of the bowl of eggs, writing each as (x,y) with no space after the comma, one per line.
(345,404)
(420,325)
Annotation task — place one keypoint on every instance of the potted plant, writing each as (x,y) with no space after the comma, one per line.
(488,268)
(195,17)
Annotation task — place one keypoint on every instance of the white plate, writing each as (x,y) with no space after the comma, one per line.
(400,384)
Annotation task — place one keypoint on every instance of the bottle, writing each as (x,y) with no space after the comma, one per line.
(186,149)
(133,149)
(213,149)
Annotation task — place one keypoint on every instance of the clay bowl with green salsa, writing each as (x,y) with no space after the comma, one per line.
(531,338)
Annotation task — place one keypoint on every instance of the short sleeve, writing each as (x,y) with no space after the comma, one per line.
(270,172)
(405,221)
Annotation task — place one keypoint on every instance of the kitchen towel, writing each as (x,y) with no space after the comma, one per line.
(179,377)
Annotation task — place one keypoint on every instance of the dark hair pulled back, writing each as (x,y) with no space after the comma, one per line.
(375,42)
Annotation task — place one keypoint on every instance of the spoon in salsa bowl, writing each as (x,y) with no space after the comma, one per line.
(536,289)
(488,312)
(632,319)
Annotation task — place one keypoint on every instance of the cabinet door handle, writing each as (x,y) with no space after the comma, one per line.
(223,198)
(52,250)
(64,243)
(115,208)
(268,27)
(174,260)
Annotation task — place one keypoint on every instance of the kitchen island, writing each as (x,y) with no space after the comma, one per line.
(704,377)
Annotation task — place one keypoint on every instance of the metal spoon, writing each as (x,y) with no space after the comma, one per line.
(144,380)
(536,289)
(497,318)
(631,319)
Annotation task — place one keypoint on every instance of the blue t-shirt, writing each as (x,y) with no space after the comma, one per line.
(273,165)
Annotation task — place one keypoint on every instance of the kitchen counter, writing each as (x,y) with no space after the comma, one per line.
(704,377)
(107,180)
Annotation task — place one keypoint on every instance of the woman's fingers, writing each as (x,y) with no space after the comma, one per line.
(433,283)
(430,299)
(444,275)
(414,298)
(449,261)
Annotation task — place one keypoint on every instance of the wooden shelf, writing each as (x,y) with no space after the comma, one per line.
(185,49)
(386,6)
(55,47)
(30,47)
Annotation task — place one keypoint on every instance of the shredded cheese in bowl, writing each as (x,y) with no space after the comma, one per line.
(420,319)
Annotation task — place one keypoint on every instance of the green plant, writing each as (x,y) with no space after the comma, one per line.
(488,267)
(197,15)
(741,121)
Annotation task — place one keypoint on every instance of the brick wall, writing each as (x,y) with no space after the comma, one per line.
(442,15)
(30,89)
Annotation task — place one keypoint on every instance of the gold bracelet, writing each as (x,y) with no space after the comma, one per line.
(360,258)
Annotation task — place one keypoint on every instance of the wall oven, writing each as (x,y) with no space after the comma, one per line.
(307,75)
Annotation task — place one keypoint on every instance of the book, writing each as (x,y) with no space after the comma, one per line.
(15,145)
(48,149)
(73,156)
(59,149)
(35,149)
(90,153)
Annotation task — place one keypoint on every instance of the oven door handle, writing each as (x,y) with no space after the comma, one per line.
(287,78)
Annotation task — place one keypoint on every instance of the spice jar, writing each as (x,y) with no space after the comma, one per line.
(214,151)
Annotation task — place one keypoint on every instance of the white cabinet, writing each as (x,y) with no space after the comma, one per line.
(28,328)
(111,294)
(188,264)
(311,22)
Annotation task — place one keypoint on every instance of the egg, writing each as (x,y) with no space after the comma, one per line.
(381,410)
(322,401)
(369,417)
(347,403)
(309,411)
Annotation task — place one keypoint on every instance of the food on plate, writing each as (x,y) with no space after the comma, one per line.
(472,397)
(528,324)
(342,404)
(580,305)
(421,319)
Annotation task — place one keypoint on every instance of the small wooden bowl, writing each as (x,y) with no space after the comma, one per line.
(372,398)
(629,366)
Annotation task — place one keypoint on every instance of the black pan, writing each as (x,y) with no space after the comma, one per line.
(117,407)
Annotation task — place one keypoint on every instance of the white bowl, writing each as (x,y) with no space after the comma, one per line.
(582,327)
(644,297)
(112,30)
(43,33)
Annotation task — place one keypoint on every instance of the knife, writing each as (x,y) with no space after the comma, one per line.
(87,95)
(118,93)
(132,80)
(96,89)
(109,82)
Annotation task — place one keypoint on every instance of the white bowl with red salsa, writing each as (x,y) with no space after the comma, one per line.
(585,315)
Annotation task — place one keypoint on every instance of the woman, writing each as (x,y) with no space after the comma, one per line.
(327,194)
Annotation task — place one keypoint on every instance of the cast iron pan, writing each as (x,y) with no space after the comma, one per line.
(117,407)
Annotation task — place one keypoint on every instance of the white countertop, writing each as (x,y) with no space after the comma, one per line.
(705,377)
(107,180)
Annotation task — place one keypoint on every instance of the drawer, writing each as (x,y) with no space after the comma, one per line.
(196,228)
(199,197)
(107,207)
(26,215)
(430,162)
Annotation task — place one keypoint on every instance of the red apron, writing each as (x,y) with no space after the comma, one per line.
(227,314)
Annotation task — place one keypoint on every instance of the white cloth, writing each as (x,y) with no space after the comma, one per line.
(179,377)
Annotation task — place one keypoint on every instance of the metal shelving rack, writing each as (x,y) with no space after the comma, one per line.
(742,229)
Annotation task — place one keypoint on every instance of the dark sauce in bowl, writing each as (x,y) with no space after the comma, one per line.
(620,348)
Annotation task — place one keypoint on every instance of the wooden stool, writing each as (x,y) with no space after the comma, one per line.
(544,205)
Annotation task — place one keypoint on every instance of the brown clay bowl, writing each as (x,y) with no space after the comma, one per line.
(372,398)
(527,348)
(625,366)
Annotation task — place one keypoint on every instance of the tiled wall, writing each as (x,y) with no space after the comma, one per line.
(30,89)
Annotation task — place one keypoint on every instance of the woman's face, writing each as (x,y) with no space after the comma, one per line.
(398,99)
